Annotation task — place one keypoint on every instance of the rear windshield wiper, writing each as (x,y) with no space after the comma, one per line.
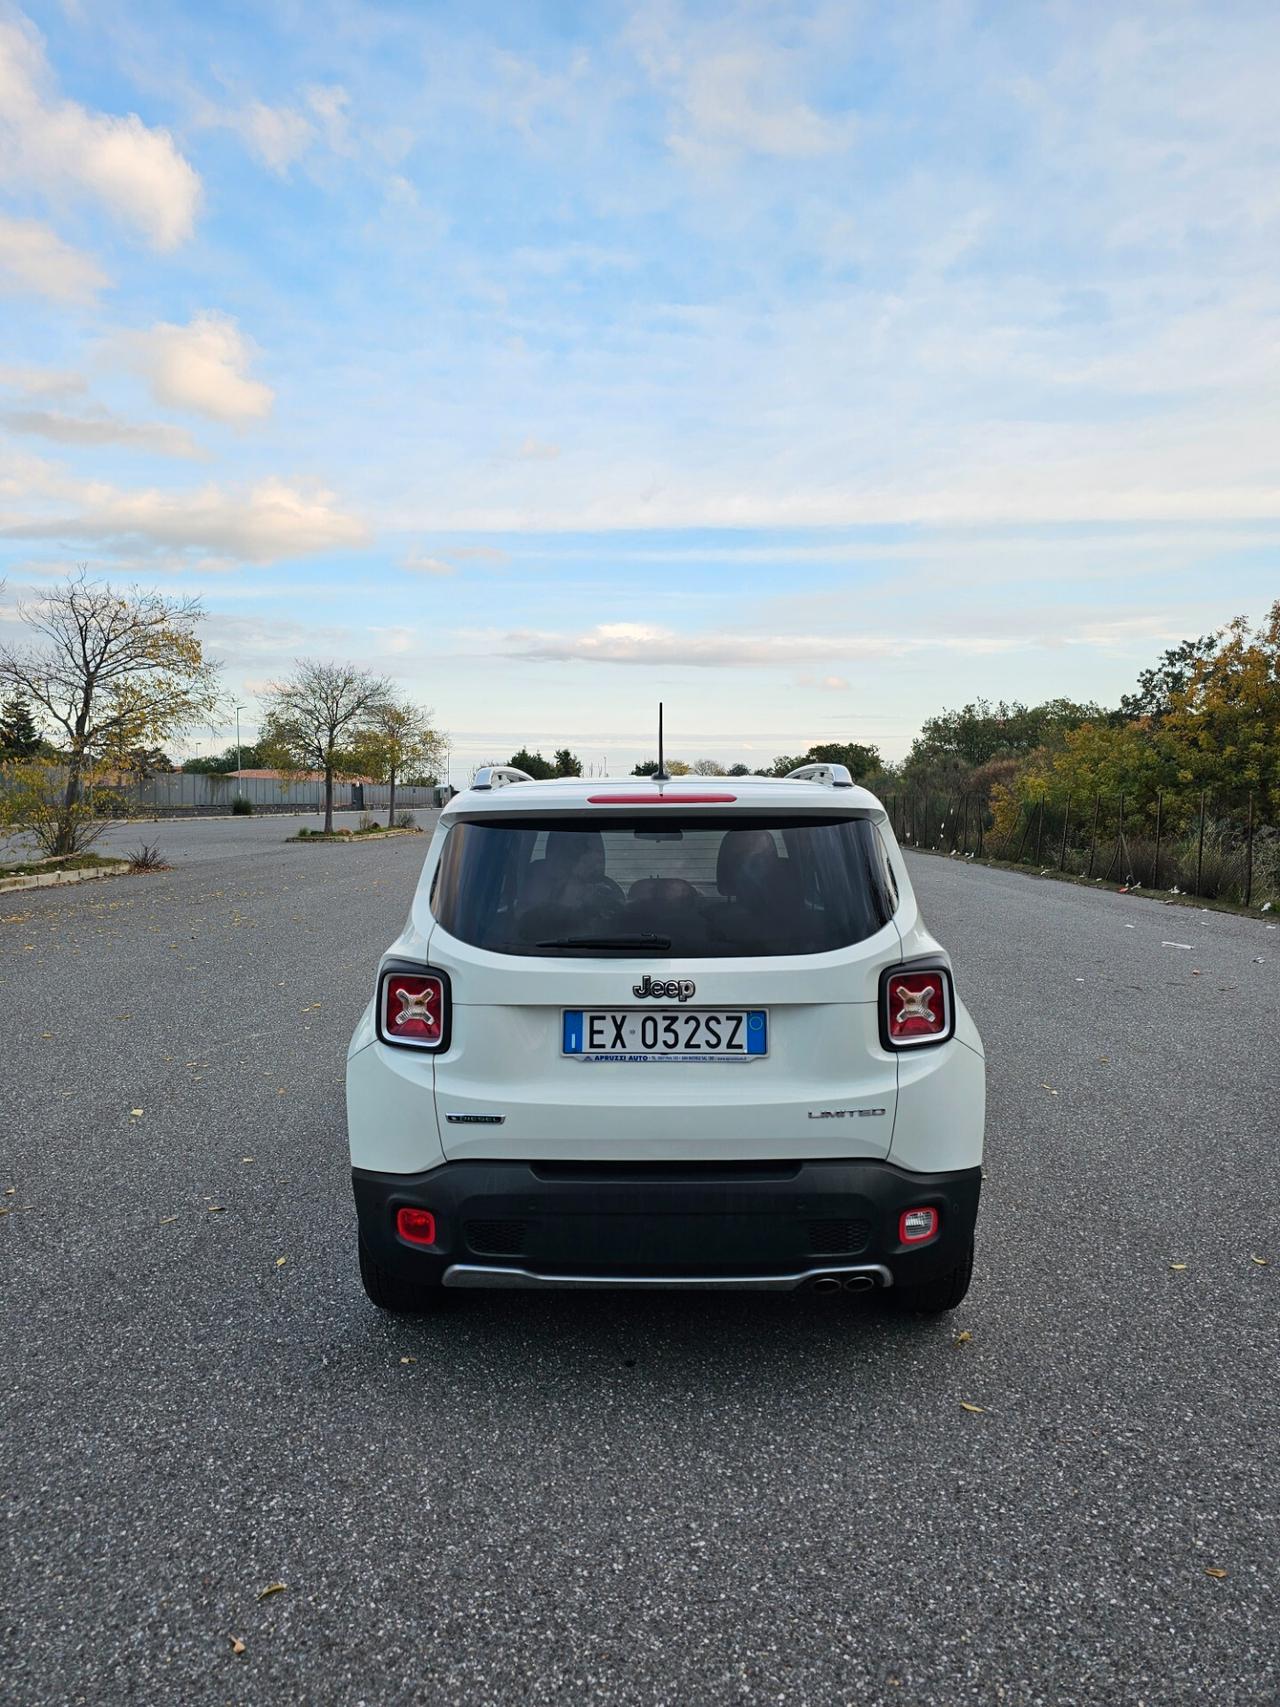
(642,939)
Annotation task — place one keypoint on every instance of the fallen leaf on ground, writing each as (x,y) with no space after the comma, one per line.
(168,1219)
(976,1409)
(272,1588)
(408,1360)
(216,1209)
(1215,1571)
(136,1111)
(280,1262)
(246,1158)
(1262,1262)
(963,1337)
(237,1646)
(1177,1267)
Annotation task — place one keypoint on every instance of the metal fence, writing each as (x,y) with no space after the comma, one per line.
(1220,850)
(200,793)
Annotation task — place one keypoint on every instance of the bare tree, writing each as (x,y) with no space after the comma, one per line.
(707,767)
(111,671)
(318,719)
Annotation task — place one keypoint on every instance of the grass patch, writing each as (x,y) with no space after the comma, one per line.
(369,832)
(62,862)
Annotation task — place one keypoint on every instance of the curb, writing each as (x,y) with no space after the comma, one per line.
(55,879)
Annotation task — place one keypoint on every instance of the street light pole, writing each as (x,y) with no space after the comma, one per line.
(239,778)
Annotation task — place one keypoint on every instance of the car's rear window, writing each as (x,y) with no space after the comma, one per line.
(681,886)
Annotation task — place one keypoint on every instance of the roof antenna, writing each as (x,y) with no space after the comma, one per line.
(661,774)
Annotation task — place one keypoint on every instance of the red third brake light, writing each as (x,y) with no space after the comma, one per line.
(916,1008)
(679,798)
(413,1009)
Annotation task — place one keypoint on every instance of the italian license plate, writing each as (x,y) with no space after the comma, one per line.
(655,1034)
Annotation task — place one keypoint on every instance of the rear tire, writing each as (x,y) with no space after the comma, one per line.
(389,1292)
(935,1297)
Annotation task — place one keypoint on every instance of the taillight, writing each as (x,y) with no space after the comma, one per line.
(413,1009)
(416,1225)
(917,1225)
(916,1008)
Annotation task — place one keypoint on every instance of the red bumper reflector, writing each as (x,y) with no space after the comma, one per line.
(416,1225)
(917,1225)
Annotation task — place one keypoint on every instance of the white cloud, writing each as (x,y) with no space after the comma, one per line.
(53,145)
(280,136)
(270,520)
(277,135)
(422,564)
(202,366)
(35,261)
(537,450)
(42,381)
(731,91)
(648,644)
(99,426)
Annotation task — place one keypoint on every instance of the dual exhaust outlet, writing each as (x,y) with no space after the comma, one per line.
(830,1283)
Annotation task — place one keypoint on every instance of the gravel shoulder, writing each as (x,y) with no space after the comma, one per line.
(622,1500)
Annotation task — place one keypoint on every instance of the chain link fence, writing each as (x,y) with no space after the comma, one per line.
(1220,852)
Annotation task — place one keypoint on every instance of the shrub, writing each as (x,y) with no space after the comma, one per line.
(406,821)
(241,808)
(147,857)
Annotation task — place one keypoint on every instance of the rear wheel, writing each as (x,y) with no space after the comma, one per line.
(938,1295)
(389,1292)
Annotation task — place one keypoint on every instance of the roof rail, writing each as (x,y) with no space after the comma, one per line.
(499,776)
(831,776)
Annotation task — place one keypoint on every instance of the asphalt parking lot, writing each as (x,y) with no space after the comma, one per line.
(635,1500)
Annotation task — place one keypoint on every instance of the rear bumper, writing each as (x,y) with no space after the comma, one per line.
(704,1225)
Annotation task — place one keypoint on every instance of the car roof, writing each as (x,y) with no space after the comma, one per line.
(727,793)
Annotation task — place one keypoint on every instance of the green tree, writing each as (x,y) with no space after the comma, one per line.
(317,719)
(649,767)
(253,756)
(112,671)
(1221,730)
(738,770)
(1169,678)
(860,760)
(567,763)
(980,731)
(19,734)
(398,741)
(533,764)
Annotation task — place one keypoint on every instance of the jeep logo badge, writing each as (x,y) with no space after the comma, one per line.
(672,990)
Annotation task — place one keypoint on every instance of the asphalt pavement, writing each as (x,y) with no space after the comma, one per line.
(1065,1493)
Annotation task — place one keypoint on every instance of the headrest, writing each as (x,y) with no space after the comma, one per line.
(578,851)
(747,859)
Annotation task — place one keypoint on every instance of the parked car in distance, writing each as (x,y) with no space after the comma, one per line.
(666,1033)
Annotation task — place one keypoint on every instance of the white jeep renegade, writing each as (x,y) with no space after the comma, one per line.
(666,1033)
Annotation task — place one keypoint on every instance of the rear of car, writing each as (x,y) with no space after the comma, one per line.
(665,1034)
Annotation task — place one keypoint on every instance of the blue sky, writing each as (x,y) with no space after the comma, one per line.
(808,367)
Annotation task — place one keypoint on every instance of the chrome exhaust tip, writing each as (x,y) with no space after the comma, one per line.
(826,1283)
(860,1283)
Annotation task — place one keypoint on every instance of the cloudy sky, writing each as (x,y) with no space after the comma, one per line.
(807,366)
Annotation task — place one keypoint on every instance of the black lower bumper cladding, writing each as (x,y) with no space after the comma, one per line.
(646,1220)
